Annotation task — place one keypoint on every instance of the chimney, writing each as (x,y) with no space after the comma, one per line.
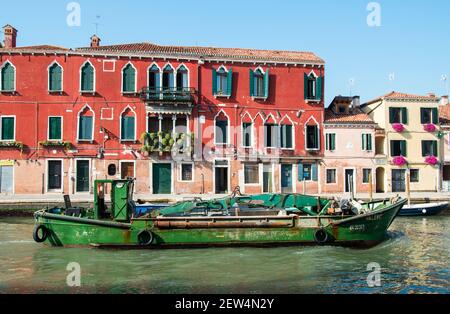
(444,100)
(356,101)
(95,41)
(10,37)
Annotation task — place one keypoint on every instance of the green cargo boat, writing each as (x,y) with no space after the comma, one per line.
(257,220)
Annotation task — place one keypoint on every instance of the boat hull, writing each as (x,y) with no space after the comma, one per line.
(423,210)
(362,230)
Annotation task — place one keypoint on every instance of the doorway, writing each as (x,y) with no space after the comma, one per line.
(380,180)
(6,179)
(82,176)
(127,170)
(162,178)
(54,176)
(286,178)
(221,176)
(267,179)
(349,180)
(398,180)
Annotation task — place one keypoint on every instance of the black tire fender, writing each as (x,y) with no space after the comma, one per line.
(40,229)
(145,238)
(321,236)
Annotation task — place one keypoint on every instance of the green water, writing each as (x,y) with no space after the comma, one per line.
(414,260)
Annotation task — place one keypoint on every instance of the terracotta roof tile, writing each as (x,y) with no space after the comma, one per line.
(397,95)
(444,115)
(39,48)
(355,116)
(209,52)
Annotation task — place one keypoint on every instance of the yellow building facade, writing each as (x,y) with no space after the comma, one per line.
(407,142)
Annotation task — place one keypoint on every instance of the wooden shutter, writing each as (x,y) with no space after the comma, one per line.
(333,141)
(55,128)
(129,79)
(229,90)
(252,83)
(369,142)
(306,86)
(319,84)
(214,81)
(327,141)
(314,172)
(435,116)
(87,78)
(404,148)
(404,115)
(392,148)
(266,83)
(86,125)
(364,144)
(391,115)
(55,78)
(128,128)
(8,78)
(435,149)
(422,115)
(8,129)
(300,172)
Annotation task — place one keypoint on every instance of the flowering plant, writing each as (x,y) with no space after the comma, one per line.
(399,161)
(429,127)
(432,160)
(398,127)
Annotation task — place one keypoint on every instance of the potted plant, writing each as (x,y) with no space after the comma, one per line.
(399,161)
(430,127)
(431,160)
(398,127)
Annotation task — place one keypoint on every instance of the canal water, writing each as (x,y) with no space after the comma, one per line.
(415,259)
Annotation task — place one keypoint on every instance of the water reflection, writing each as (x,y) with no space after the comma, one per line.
(415,258)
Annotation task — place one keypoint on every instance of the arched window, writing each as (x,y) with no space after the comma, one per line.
(87,78)
(311,86)
(259,83)
(247,131)
(154,78)
(312,134)
(168,77)
(129,79)
(221,129)
(86,124)
(286,134)
(55,78)
(182,78)
(128,125)
(8,78)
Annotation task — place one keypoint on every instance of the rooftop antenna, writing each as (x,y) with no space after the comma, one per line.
(392,80)
(97,24)
(444,79)
(351,83)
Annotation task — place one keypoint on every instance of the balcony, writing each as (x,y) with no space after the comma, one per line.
(168,95)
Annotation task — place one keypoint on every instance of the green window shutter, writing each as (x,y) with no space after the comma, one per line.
(369,142)
(230,82)
(327,142)
(435,116)
(333,141)
(435,148)
(424,149)
(266,83)
(87,78)
(391,115)
(128,128)
(314,172)
(214,81)
(316,137)
(404,148)
(252,83)
(55,78)
(306,86)
(404,115)
(363,142)
(422,115)
(8,131)
(300,172)
(288,136)
(129,79)
(55,132)
(85,128)
(8,78)
(319,84)
(222,132)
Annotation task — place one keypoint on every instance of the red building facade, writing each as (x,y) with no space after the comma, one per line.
(182,120)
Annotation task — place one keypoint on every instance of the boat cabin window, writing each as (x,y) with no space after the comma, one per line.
(112,170)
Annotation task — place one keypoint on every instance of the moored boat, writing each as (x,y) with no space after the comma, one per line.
(257,220)
(427,209)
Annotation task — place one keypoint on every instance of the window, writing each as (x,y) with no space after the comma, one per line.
(128,126)
(429,148)
(286,136)
(398,115)
(154,77)
(87,78)
(271,135)
(168,80)
(313,87)
(312,137)
(330,141)
(8,128)
(367,142)
(129,79)
(182,78)
(251,174)
(112,170)
(55,78)
(331,176)
(342,109)
(398,148)
(308,172)
(8,78)
(367,173)
(247,134)
(186,172)
(55,128)
(86,128)
(222,82)
(259,83)
(414,175)
(429,115)
(221,132)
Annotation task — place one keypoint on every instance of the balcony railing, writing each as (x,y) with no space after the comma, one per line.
(184,95)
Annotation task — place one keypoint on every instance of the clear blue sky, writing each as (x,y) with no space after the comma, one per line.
(412,42)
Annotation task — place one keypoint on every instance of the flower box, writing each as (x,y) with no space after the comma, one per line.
(56,144)
(429,127)
(15,145)
(398,127)
(431,160)
(399,161)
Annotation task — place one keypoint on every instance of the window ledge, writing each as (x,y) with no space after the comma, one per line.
(129,141)
(264,98)
(129,93)
(313,149)
(51,92)
(313,100)
(12,92)
(85,141)
(87,92)
(222,96)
